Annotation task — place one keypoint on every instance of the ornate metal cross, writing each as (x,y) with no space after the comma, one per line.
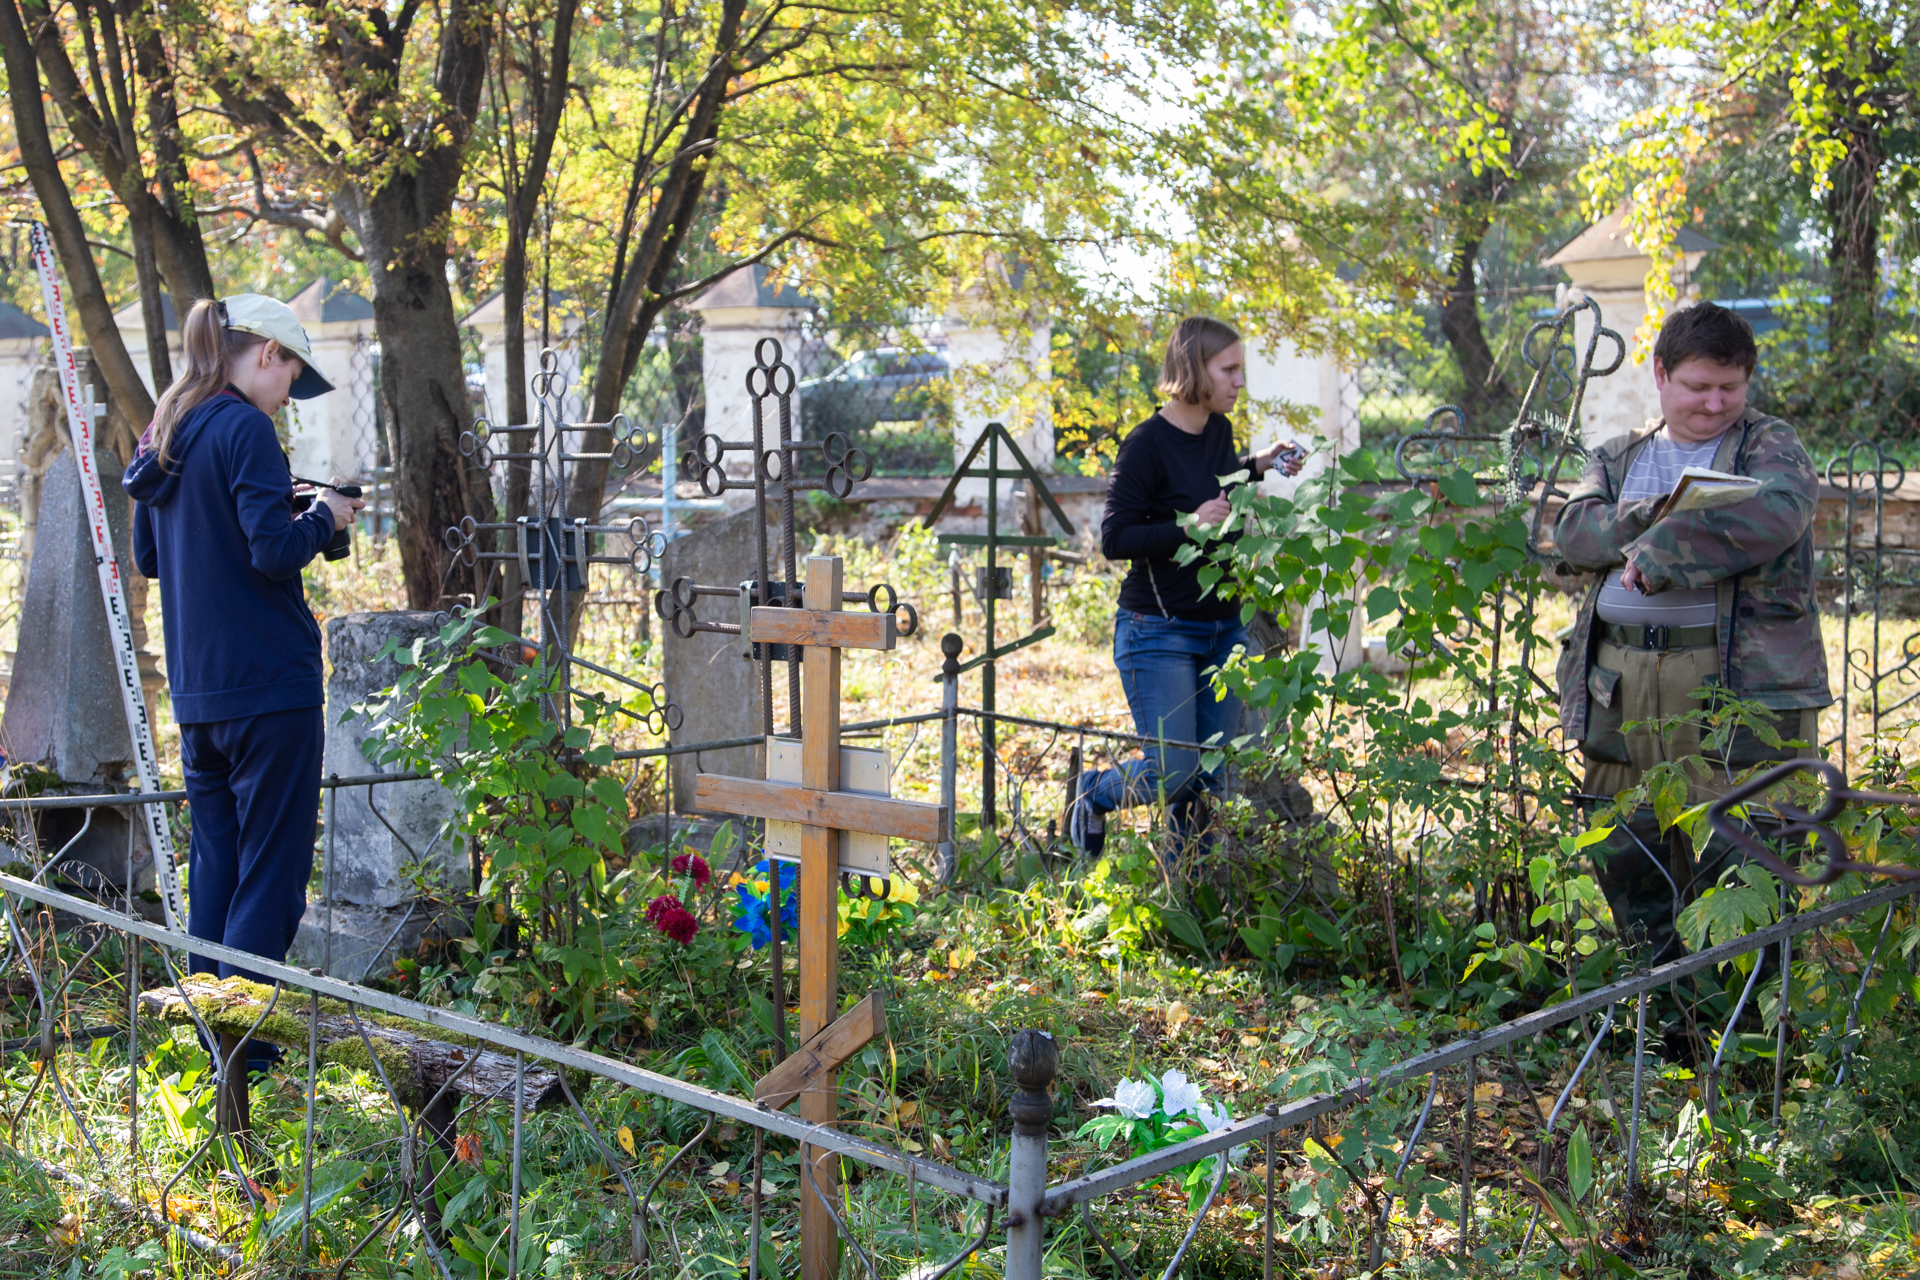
(554,553)
(773,482)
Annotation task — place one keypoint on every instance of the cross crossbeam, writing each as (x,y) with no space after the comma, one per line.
(838,810)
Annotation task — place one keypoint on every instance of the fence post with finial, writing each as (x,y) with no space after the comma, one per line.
(1033,1060)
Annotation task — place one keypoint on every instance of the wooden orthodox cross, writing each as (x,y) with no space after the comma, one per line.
(827,818)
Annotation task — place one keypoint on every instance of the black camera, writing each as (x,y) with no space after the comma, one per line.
(341,545)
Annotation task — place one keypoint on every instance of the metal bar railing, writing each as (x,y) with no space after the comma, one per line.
(1107,1181)
(127,799)
(1028,1202)
(739,1109)
(1115,735)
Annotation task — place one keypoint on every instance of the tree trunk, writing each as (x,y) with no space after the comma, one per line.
(63,222)
(402,228)
(169,229)
(179,248)
(1853,254)
(153,315)
(423,380)
(634,299)
(118,108)
(1485,389)
(418,1065)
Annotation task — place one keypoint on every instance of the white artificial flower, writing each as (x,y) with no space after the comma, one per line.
(1178,1095)
(1217,1118)
(1134,1099)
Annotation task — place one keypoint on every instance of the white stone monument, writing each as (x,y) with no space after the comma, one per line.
(133,332)
(1603,264)
(1001,371)
(1283,381)
(489,323)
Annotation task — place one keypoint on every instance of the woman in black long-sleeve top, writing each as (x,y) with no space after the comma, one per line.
(1167,633)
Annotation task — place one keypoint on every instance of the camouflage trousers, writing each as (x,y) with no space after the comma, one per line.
(1649,875)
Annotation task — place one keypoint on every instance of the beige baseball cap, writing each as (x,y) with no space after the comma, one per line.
(256,313)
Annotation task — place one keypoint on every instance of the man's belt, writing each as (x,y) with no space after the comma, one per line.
(1637,637)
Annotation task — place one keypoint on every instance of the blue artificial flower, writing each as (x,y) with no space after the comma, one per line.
(789,872)
(752,917)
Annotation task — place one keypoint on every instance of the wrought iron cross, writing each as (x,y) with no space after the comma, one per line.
(555,553)
(774,485)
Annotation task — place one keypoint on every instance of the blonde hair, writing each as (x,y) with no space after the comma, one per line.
(1195,342)
(210,348)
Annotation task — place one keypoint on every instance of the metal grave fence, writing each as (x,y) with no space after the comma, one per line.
(418,1101)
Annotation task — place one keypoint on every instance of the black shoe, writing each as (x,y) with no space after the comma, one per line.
(1086,828)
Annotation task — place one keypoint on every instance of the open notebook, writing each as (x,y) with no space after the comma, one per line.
(1703,489)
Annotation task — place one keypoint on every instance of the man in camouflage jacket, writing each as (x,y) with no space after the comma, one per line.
(1737,581)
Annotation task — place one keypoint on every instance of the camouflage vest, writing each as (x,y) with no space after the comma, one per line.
(1758,556)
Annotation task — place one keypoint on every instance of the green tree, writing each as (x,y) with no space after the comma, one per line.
(1358,156)
(1825,92)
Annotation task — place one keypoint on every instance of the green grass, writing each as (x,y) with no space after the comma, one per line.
(1133,972)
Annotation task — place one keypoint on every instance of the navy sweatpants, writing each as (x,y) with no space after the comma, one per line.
(253,787)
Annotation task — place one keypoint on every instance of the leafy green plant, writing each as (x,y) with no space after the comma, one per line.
(1123,885)
(1747,899)
(1445,568)
(1571,909)
(870,922)
(1579,1232)
(559,936)
(122,1263)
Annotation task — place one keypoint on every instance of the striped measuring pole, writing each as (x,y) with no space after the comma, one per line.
(82,417)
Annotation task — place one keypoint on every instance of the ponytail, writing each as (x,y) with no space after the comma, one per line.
(210,348)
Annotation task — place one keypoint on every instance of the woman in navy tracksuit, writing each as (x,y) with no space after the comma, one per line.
(215,524)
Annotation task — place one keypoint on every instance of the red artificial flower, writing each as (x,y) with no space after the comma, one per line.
(696,866)
(677,923)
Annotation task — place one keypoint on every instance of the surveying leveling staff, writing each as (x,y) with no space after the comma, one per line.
(216,525)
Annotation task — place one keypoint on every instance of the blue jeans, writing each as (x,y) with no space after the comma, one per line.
(1163,664)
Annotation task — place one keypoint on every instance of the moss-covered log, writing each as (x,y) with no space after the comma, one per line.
(417,1065)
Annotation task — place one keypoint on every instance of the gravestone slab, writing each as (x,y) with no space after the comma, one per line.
(718,690)
(63,712)
(384,836)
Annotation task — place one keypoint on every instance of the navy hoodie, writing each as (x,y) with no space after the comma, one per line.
(218,530)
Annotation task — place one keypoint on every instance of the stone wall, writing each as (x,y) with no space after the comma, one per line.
(716,689)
